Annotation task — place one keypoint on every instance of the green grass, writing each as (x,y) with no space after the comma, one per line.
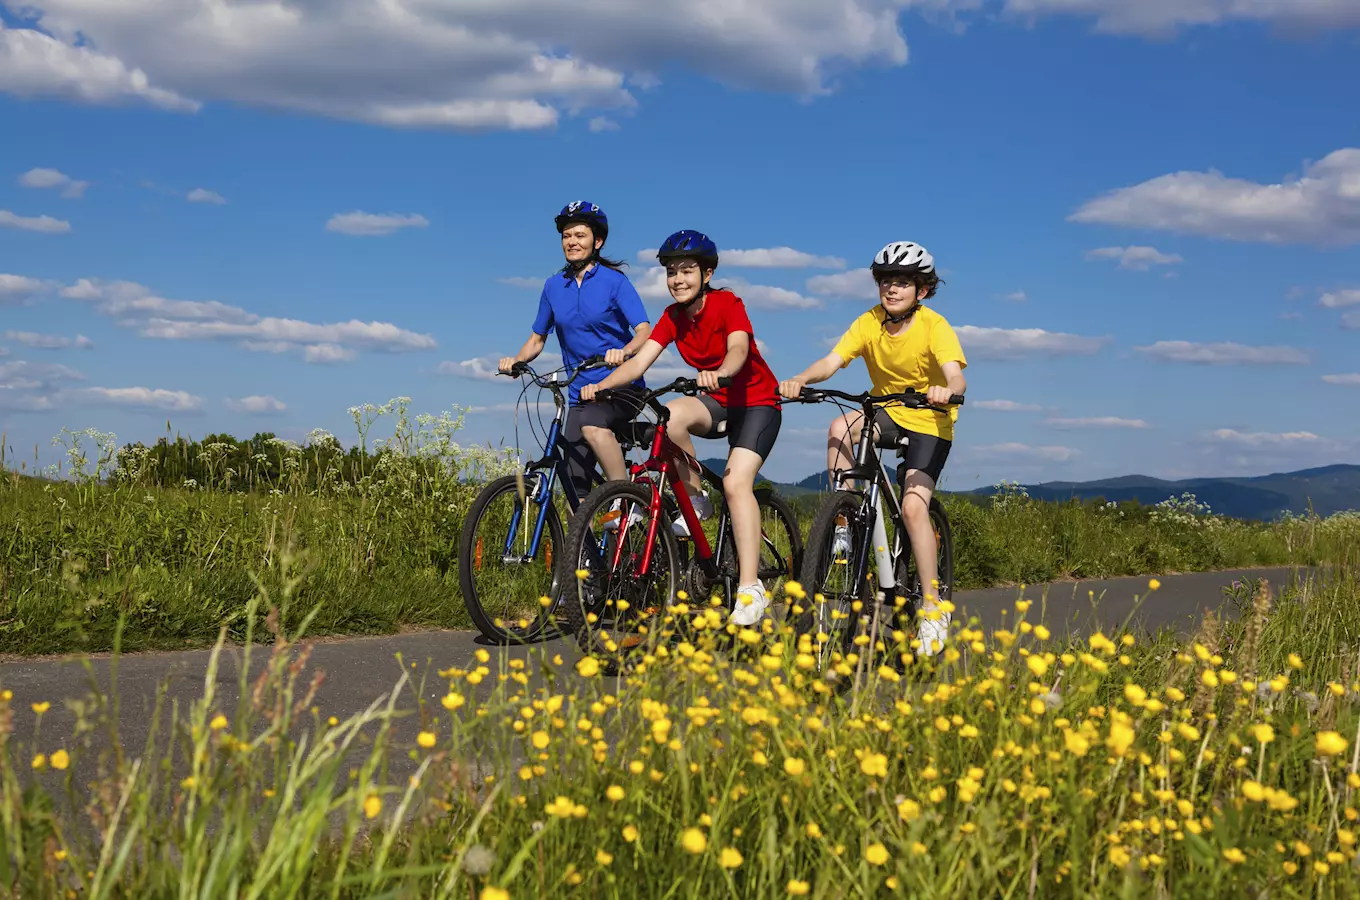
(176,562)
(1017,764)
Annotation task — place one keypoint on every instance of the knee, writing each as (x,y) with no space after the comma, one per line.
(916,510)
(738,483)
(838,429)
(594,433)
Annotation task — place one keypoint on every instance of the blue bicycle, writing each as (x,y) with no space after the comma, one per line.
(513,529)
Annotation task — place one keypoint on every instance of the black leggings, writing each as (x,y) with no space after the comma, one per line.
(752,427)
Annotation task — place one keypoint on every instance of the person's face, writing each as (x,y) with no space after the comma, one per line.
(685,279)
(897,293)
(578,242)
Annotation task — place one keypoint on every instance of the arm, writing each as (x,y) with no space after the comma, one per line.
(816,373)
(627,373)
(640,335)
(528,353)
(738,350)
(953,373)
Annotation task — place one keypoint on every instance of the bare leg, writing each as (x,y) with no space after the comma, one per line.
(688,415)
(607,450)
(739,489)
(924,548)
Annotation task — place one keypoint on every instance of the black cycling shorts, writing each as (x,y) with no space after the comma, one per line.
(923,452)
(624,405)
(753,428)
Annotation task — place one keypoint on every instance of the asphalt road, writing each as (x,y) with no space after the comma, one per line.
(358,671)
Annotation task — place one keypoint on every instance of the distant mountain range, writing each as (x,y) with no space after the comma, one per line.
(1325,490)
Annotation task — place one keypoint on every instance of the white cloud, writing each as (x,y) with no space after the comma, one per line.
(16,288)
(135,306)
(1097,422)
(1352,379)
(492,408)
(602,123)
(203,195)
(371,224)
(513,64)
(1320,207)
(1005,405)
(1016,297)
(1225,353)
(134,398)
(1015,450)
(51,178)
(483,368)
(34,64)
(777,258)
(1161,18)
(1337,299)
(21,374)
(1261,438)
(855,284)
(48,341)
(258,404)
(521,281)
(40,224)
(1017,343)
(1136,258)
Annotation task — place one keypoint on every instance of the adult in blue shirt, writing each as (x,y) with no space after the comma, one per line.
(595,311)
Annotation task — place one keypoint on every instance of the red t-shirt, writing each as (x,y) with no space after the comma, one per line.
(702,343)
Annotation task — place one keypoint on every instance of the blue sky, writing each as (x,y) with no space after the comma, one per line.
(247,217)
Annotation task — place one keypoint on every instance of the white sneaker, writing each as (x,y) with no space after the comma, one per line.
(750,605)
(932,633)
(840,544)
(703,508)
(634,516)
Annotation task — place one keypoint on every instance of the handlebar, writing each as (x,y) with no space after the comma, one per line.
(687,386)
(523,368)
(912,399)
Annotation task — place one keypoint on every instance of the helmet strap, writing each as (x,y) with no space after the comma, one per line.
(890,319)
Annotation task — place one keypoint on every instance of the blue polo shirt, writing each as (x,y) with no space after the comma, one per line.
(590,319)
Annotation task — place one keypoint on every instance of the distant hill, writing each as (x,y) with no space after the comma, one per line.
(1325,490)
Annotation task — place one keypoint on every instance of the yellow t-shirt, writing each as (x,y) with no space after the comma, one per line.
(909,360)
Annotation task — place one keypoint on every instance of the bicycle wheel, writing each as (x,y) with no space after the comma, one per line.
(781,552)
(502,583)
(616,611)
(833,621)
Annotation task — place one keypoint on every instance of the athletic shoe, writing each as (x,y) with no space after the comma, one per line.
(750,605)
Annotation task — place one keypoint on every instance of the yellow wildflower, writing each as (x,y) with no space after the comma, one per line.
(426,739)
(1329,743)
(875,854)
(694,840)
(372,806)
(630,833)
(614,793)
(874,764)
(797,888)
(794,767)
(1234,856)
(729,858)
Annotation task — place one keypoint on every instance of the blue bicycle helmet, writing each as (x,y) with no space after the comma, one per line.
(689,244)
(587,212)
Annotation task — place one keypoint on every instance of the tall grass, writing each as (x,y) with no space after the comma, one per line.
(1018,763)
(175,563)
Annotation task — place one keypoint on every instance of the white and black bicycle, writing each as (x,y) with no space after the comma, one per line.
(851,526)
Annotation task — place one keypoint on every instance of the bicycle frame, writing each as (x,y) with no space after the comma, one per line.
(553,466)
(880,483)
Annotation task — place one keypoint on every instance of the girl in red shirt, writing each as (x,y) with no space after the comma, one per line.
(712,333)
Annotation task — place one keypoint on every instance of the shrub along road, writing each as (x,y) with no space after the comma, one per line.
(357,672)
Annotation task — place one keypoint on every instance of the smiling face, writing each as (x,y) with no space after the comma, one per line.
(897,293)
(685,279)
(579,242)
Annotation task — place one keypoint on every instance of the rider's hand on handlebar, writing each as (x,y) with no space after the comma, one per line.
(938,396)
(708,380)
(588,392)
(615,357)
(790,389)
(506,364)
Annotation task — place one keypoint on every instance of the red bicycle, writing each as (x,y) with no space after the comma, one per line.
(634,567)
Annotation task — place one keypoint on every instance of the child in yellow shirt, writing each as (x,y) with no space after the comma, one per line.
(906,347)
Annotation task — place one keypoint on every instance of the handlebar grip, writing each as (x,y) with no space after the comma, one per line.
(516,370)
(591,362)
(724,382)
(956,399)
(605,394)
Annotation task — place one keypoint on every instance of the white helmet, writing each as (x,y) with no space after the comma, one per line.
(903,257)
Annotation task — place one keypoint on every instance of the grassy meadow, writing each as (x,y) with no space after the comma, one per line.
(1015,764)
(171,537)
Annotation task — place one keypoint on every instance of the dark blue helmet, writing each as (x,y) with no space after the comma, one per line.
(689,244)
(587,212)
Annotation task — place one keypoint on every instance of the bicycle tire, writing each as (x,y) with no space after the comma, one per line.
(468,557)
(575,610)
(778,567)
(817,563)
(774,563)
